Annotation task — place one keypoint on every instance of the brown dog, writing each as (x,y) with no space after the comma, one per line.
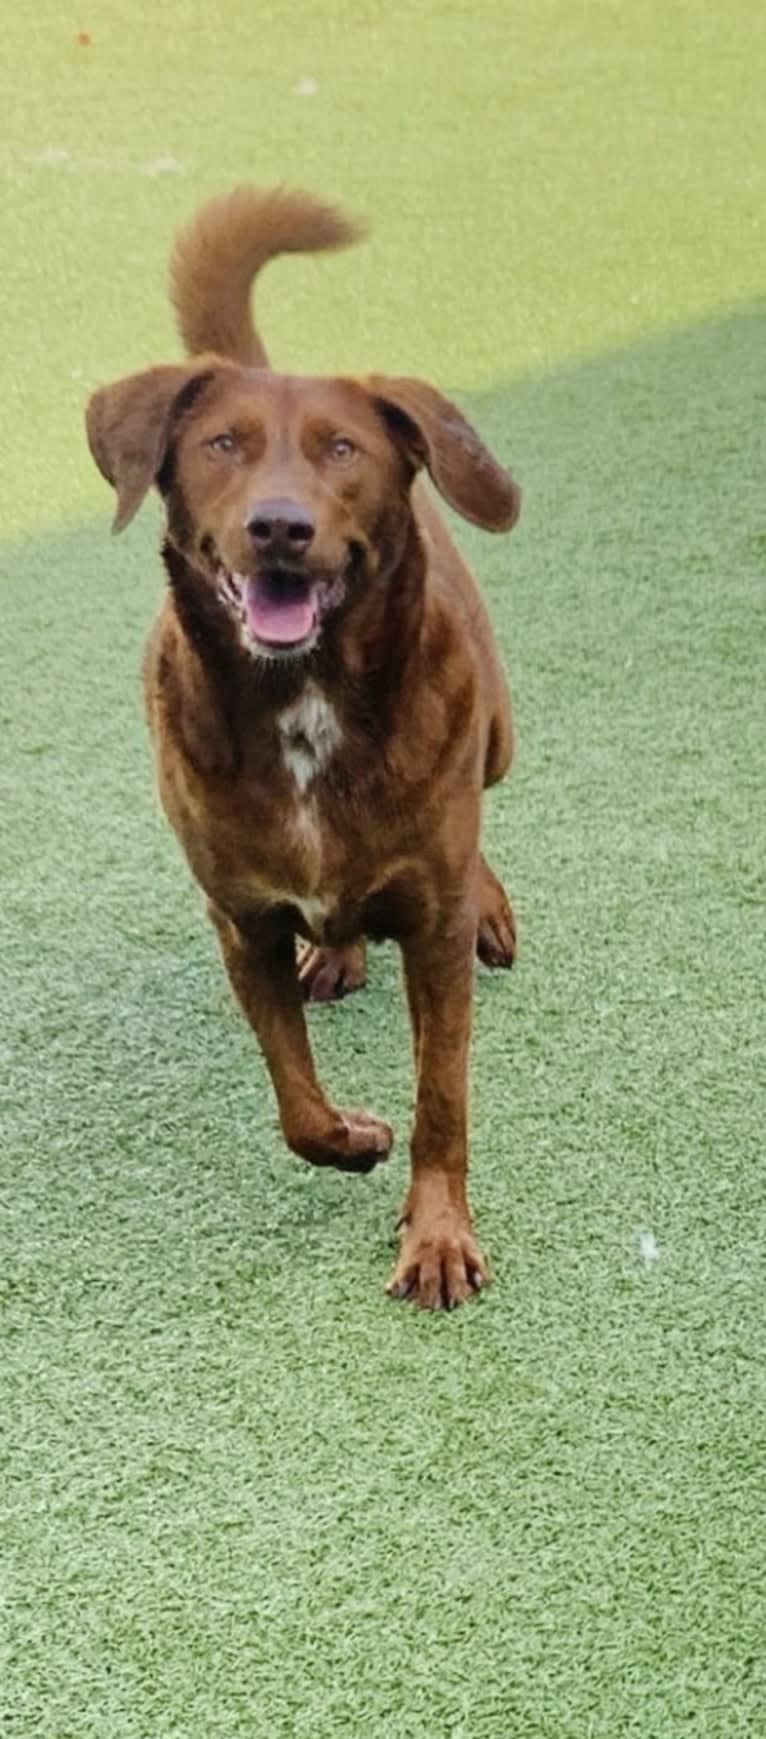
(324,695)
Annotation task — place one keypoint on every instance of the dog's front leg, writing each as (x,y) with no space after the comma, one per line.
(439,1262)
(262,971)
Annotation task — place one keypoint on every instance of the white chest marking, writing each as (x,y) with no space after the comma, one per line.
(310,735)
(306,825)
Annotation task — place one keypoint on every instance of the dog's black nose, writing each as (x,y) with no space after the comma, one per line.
(280,527)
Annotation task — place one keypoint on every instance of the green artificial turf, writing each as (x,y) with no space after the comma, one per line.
(241,1493)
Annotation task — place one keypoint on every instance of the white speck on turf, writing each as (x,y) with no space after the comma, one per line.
(52,155)
(648,1248)
(162,166)
(306,87)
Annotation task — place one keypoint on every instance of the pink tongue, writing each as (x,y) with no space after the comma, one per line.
(279,612)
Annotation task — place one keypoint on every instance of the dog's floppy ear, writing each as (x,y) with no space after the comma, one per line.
(128,426)
(436,434)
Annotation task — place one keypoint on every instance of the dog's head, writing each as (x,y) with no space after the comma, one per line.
(288,495)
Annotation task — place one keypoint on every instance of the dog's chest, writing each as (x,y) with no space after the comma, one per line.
(309,735)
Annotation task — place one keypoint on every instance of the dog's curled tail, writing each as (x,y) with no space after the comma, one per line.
(216,258)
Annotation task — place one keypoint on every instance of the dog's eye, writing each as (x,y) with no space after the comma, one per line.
(342,449)
(223,443)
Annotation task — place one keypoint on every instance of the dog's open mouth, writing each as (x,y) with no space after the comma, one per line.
(278,611)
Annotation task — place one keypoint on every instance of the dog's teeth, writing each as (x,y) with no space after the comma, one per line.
(230,587)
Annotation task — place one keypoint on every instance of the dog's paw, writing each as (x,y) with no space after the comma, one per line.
(496,938)
(352,1141)
(439,1265)
(325,974)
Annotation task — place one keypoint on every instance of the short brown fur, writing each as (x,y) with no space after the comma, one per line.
(327,789)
